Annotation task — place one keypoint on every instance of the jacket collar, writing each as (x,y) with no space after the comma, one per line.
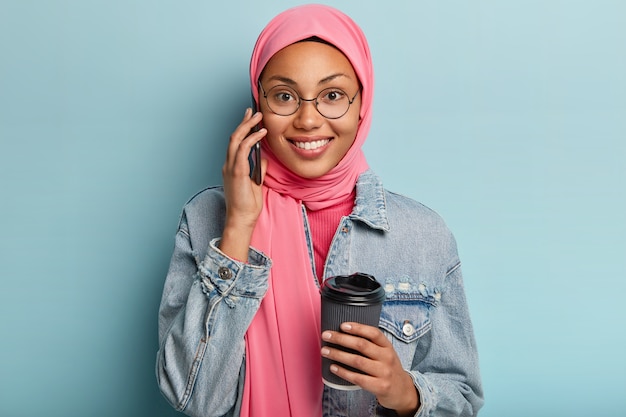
(370,205)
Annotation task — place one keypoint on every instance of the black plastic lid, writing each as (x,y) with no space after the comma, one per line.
(357,288)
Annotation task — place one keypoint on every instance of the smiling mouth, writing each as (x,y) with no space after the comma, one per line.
(311,146)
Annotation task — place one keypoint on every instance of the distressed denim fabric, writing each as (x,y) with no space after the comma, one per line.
(209,300)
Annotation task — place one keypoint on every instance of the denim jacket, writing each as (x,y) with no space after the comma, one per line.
(210,299)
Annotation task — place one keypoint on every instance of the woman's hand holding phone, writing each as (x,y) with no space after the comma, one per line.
(244,198)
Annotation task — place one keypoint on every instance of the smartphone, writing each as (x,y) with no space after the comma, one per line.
(255,154)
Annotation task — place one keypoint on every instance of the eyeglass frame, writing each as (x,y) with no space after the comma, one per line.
(314,100)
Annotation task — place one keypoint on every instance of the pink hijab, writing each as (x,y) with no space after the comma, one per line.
(283,363)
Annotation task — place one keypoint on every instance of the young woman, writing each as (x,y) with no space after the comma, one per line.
(239,322)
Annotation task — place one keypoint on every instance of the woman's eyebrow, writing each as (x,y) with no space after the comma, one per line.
(332,78)
(282,79)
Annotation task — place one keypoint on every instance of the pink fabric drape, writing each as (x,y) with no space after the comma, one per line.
(283,375)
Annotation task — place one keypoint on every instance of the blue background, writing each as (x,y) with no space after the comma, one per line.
(508,117)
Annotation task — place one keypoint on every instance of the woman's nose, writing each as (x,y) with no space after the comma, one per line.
(307,116)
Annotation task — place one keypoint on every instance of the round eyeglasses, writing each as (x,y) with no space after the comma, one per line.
(332,103)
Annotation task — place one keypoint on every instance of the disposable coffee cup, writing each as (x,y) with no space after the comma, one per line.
(355,298)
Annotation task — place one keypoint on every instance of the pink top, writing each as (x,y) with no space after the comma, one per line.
(323,225)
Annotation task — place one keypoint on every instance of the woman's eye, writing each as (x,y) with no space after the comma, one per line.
(284,97)
(333,95)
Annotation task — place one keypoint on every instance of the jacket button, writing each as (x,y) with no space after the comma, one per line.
(224,273)
(408,329)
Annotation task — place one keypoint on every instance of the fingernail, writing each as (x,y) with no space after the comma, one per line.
(333,368)
(327,335)
(325,351)
(346,326)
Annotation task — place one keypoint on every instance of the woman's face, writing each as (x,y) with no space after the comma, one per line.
(306,142)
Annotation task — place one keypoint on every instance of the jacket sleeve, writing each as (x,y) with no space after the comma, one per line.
(205,310)
(448,377)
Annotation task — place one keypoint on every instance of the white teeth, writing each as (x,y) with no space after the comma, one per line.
(312,145)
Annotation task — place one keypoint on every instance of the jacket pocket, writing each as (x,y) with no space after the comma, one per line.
(405,317)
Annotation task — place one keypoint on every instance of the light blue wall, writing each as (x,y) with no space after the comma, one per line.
(506,116)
